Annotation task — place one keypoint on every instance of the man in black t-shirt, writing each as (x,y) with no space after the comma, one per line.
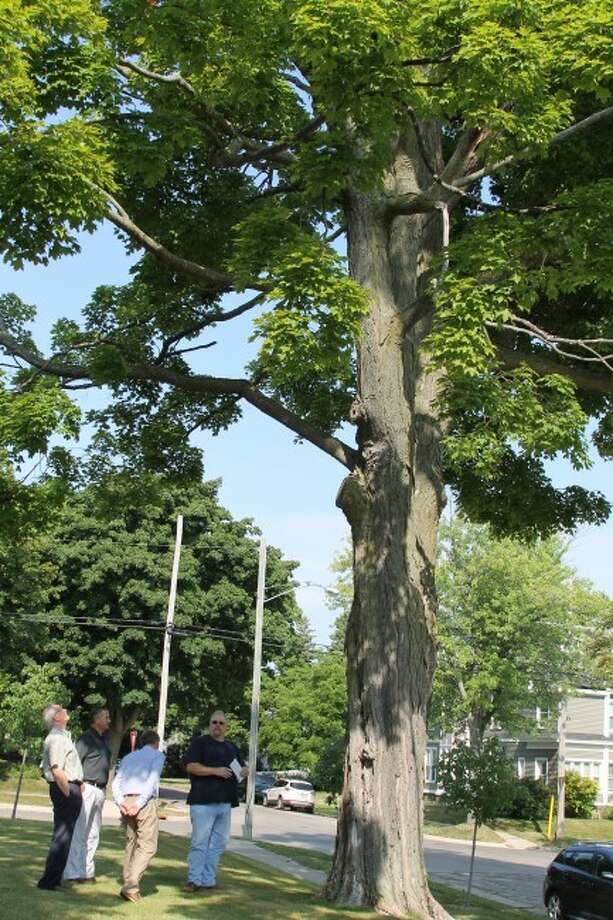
(211,764)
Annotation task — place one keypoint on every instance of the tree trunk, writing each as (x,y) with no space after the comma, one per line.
(393,502)
(24,756)
(120,723)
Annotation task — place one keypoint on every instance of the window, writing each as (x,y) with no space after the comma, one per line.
(589,769)
(611,714)
(431,761)
(580,859)
(521,767)
(610,780)
(604,866)
(541,769)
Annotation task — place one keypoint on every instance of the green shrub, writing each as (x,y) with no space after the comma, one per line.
(580,796)
(530,800)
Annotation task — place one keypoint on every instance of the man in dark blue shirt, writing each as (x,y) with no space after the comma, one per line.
(214,766)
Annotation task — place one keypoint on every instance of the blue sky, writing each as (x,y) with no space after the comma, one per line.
(289,489)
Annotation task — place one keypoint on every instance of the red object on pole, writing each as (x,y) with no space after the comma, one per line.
(133,736)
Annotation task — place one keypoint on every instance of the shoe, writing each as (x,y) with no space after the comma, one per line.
(133,896)
(82,881)
(48,887)
(191,887)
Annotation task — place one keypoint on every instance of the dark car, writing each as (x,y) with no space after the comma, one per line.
(263,781)
(579,883)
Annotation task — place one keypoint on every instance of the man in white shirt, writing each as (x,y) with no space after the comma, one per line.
(62,770)
(135,792)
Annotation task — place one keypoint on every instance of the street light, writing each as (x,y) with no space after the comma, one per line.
(257,668)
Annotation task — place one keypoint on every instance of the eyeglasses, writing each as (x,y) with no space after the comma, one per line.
(215,722)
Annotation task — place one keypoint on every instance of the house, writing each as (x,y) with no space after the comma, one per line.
(588,728)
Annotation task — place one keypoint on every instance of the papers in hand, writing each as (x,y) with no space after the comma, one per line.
(236,768)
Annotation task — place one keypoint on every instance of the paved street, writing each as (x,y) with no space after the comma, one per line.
(512,876)
(508,875)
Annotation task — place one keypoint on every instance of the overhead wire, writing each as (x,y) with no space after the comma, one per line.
(189,630)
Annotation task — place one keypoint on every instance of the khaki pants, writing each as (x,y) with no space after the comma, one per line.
(141,842)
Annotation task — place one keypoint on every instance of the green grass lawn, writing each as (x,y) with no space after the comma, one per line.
(440,822)
(451,899)
(595,829)
(247,890)
(321,806)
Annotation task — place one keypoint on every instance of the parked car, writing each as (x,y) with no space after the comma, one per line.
(291,793)
(263,781)
(579,883)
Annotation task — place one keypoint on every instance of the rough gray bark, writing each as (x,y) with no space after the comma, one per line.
(120,722)
(392,500)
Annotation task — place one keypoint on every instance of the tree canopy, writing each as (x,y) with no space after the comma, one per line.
(201,131)
(305,718)
(513,625)
(106,564)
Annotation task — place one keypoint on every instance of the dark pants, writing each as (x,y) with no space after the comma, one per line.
(66,810)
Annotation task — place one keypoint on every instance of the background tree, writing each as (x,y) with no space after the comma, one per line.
(478,781)
(21,712)
(232,144)
(598,665)
(103,619)
(511,625)
(305,718)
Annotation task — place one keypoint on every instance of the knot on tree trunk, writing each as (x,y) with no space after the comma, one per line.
(367,758)
(352,497)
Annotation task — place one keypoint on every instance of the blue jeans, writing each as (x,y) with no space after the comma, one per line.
(210,834)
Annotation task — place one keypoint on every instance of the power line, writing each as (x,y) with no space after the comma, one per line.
(188,631)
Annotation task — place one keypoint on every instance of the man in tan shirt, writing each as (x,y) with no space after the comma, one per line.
(62,770)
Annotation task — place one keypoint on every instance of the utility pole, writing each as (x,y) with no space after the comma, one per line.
(562,718)
(172,598)
(255,694)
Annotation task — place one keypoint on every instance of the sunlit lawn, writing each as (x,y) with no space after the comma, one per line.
(596,829)
(440,822)
(247,890)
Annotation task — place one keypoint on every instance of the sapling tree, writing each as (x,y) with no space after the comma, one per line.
(456,147)
(21,712)
(478,781)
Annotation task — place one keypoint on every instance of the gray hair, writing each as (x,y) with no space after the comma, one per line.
(49,714)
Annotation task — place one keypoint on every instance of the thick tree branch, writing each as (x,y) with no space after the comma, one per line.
(279,152)
(438,193)
(456,176)
(196,383)
(302,85)
(423,62)
(544,364)
(222,281)
(175,77)
(583,125)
